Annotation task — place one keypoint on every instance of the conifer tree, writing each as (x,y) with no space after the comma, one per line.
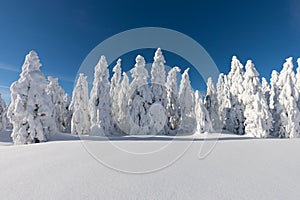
(212,105)
(31,109)
(140,98)
(203,121)
(187,105)
(80,123)
(173,105)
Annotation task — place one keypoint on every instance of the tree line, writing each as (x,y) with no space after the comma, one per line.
(153,104)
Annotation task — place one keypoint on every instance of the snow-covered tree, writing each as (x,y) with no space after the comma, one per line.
(80,123)
(173,106)
(203,121)
(212,105)
(221,98)
(100,103)
(67,115)
(140,98)
(236,118)
(290,116)
(31,109)
(258,118)
(274,105)
(187,104)
(159,94)
(115,88)
(123,118)
(56,94)
(288,98)
(3,114)
(224,100)
(283,95)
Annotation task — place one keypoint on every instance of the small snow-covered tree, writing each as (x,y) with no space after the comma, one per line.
(67,115)
(140,98)
(258,120)
(203,121)
(212,105)
(115,88)
(159,94)
(236,118)
(187,105)
(80,123)
(100,103)
(31,109)
(56,94)
(173,105)
(3,114)
(123,116)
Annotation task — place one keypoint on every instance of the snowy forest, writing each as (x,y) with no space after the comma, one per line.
(153,103)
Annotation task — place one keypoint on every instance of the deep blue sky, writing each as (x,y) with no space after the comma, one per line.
(64,32)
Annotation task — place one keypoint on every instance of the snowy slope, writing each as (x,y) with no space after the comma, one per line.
(238,168)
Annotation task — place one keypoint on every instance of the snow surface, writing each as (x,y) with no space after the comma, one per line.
(239,167)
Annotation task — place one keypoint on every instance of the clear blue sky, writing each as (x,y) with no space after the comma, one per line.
(64,32)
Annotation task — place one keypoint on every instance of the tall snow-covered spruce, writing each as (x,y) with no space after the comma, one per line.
(158,78)
(159,94)
(275,106)
(187,105)
(288,98)
(80,123)
(212,105)
(31,109)
(115,89)
(258,120)
(173,105)
(140,99)
(122,119)
(235,123)
(224,100)
(100,102)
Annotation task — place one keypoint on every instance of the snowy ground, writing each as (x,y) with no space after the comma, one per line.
(238,168)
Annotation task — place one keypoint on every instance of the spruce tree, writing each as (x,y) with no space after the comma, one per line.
(31,109)
(80,123)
